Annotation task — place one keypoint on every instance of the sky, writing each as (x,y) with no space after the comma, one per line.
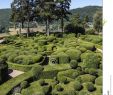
(74,3)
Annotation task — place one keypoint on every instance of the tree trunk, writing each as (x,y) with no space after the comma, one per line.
(62,25)
(22,24)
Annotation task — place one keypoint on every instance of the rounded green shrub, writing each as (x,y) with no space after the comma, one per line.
(90,60)
(98,81)
(90,87)
(77,86)
(90,31)
(64,80)
(68,73)
(24,84)
(82,49)
(42,42)
(73,54)
(86,78)
(51,38)
(93,71)
(83,92)
(88,46)
(73,64)
(63,58)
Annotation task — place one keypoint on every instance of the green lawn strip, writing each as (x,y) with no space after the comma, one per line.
(20,67)
(10,84)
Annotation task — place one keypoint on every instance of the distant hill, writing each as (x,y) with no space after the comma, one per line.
(88,10)
(4,16)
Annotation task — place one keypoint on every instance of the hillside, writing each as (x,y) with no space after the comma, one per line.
(88,10)
(4,16)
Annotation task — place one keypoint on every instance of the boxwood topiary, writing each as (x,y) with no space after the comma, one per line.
(77,85)
(73,64)
(90,60)
(63,58)
(86,78)
(98,81)
(42,42)
(73,54)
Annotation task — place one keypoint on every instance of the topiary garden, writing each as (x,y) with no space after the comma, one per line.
(66,66)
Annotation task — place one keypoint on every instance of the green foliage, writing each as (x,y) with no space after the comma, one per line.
(97,21)
(83,92)
(24,84)
(74,64)
(88,46)
(63,58)
(73,54)
(98,81)
(90,32)
(77,86)
(90,60)
(42,42)
(36,71)
(10,84)
(86,78)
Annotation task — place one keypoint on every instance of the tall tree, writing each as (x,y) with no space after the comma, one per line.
(85,21)
(75,20)
(46,12)
(62,11)
(97,21)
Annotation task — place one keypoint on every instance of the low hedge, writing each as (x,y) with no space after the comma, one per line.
(86,78)
(10,84)
(73,54)
(88,46)
(63,58)
(90,60)
(98,81)
(20,67)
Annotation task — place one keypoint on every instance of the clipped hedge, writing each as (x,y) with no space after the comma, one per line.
(90,60)
(86,78)
(98,81)
(63,58)
(73,54)
(88,46)
(10,84)
(77,85)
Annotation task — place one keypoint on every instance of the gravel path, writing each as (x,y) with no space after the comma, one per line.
(15,73)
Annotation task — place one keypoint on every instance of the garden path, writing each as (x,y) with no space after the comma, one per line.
(15,73)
